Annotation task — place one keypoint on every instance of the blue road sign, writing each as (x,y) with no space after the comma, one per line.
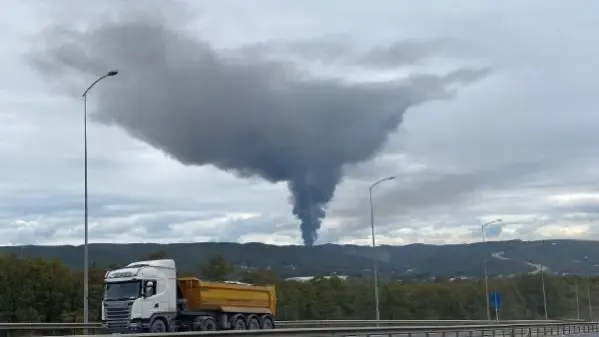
(495,300)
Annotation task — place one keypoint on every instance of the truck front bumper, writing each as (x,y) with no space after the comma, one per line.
(139,325)
(134,326)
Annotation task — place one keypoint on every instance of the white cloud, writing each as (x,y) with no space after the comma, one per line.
(519,145)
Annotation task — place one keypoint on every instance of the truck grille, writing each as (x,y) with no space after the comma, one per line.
(117,315)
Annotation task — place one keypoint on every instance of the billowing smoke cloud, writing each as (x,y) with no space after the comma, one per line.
(239,111)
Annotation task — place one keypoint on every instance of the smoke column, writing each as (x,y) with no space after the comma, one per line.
(241,110)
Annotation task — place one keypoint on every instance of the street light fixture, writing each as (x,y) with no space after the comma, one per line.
(85,246)
(482,232)
(374,257)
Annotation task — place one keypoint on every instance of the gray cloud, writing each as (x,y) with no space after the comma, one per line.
(442,199)
(435,188)
(340,49)
(46,204)
(539,104)
(260,118)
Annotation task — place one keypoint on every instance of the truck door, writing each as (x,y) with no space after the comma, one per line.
(151,303)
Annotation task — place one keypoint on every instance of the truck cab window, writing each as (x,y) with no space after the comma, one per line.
(119,291)
(150,288)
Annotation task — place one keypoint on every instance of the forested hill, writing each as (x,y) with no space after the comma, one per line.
(403,262)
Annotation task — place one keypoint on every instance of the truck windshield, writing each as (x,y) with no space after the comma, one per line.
(122,290)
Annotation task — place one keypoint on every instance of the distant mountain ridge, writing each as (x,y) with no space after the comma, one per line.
(402,262)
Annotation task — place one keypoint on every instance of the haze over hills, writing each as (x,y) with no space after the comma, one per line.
(402,262)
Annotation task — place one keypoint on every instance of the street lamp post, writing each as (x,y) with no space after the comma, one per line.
(482,232)
(374,257)
(586,272)
(589,297)
(577,301)
(85,245)
(544,293)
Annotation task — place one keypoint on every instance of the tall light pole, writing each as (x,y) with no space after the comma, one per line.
(544,294)
(85,245)
(586,273)
(374,257)
(482,233)
(577,301)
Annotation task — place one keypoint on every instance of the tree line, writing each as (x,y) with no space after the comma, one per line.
(45,290)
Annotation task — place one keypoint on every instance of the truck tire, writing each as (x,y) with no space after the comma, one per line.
(254,323)
(267,322)
(204,323)
(158,326)
(239,323)
(209,324)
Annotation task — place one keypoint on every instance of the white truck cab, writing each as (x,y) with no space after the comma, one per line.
(140,295)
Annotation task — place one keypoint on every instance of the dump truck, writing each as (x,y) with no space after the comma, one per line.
(147,296)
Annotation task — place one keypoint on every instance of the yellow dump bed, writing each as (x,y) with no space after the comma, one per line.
(227,297)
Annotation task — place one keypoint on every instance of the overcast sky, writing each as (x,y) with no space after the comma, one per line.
(481,109)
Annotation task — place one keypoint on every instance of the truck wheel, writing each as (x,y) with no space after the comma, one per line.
(209,324)
(268,322)
(158,326)
(254,324)
(239,323)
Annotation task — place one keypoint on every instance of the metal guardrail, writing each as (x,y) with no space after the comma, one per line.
(462,328)
(288,324)
(366,323)
(48,326)
(496,330)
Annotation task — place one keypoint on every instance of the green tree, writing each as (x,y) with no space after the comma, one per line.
(259,276)
(157,255)
(216,269)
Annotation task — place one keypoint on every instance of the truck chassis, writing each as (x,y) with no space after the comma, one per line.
(203,321)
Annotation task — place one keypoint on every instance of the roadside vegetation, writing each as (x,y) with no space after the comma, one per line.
(43,290)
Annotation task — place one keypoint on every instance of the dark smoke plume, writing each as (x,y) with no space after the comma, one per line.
(237,110)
